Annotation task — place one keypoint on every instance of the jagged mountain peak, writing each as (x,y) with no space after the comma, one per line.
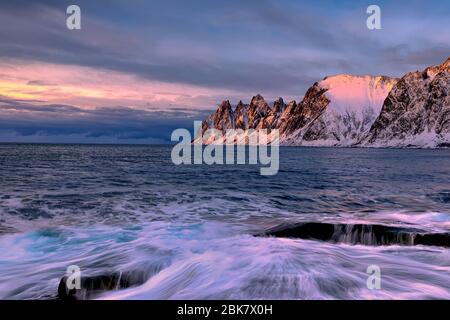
(279,100)
(278,105)
(430,72)
(446,63)
(225,104)
(258,100)
(240,104)
(416,112)
(349,110)
(223,118)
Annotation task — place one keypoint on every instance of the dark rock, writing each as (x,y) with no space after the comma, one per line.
(241,116)
(90,286)
(257,110)
(418,104)
(366,234)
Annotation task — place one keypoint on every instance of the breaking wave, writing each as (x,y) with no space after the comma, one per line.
(213,260)
(140,228)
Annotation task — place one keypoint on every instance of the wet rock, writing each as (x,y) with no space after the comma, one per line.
(365,234)
(91,286)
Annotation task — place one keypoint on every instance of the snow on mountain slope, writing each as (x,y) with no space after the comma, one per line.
(346,110)
(355,93)
(336,111)
(416,112)
(354,103)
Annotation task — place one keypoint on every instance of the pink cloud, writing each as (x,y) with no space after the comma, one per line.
(92,88)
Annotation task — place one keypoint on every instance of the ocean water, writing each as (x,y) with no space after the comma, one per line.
(190,232)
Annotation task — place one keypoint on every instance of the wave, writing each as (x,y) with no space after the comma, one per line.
(212,260)
(246,267)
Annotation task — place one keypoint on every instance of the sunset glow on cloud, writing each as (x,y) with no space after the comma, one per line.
(88,87)
(176,61)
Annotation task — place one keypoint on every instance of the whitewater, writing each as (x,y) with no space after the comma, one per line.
(203,232)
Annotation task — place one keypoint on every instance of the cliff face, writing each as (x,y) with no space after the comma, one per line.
(346,110)
(339,110)
(416,112)
(256,115)
(270,121)
(241,116)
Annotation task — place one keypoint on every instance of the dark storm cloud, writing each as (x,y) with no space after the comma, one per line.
(241,45)
(120,123)
(259,46)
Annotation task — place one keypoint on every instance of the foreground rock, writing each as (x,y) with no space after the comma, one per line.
(365,234)
(92,286)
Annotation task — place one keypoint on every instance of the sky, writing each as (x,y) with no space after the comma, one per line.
(138,69)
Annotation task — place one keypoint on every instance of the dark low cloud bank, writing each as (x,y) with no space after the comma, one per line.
(25,122)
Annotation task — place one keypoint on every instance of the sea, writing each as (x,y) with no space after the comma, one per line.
(203,231)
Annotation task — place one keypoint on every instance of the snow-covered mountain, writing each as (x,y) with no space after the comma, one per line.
(416,112)
(346,110)
(339,110)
